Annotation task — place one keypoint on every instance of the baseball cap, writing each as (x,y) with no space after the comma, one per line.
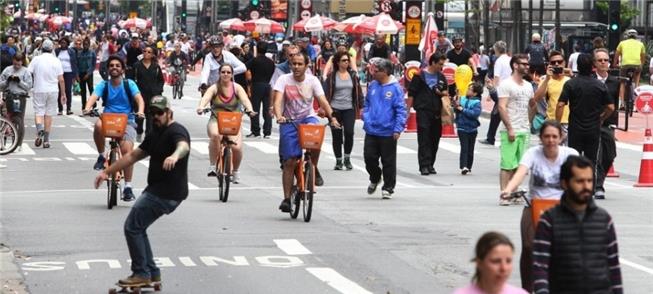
(286,42)
(47,45)
(160,102)
(135,35)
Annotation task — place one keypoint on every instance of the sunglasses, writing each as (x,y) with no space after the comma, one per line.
(344,60)
(225,72)
(148,52)
(115,65)
(157,112)
(602,60)
(556,61)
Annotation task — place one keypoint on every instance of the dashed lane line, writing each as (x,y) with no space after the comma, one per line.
(292,247)
(336,280)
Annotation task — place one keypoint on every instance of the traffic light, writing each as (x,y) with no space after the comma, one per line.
(254,3)
(614,24)
(183,14)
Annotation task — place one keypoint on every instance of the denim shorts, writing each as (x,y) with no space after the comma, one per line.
(289,139)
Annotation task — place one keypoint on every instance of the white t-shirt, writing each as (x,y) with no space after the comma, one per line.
(545,174)
(572,61)
(518,97)
(502,67)
(298,96)
(65,61)
(46,69)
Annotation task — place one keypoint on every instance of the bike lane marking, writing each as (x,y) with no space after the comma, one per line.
(336,280)
(200,147)
(292,247)
(80,148)
(264,147)
(636,266)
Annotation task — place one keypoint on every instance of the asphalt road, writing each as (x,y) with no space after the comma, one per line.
(421,241)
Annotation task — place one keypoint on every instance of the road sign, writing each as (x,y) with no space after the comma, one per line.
(306,14)
(413,31)
(254,14)
(412,67)
(449,71)
(306,4)
(644,103)
(414,11)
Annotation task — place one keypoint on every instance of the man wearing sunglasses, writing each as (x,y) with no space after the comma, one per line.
(167,186)
(118,96)
(551,87)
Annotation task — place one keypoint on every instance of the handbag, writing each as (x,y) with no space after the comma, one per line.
(77,90)
(447,111)
(537,122)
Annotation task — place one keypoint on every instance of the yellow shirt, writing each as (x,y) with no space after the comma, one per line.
(631,52)
(554,89)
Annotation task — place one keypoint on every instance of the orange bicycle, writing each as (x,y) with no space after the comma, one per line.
(228,125)
(113,126)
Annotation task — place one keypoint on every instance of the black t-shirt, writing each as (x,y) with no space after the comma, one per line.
(613,93)
(173,184)
(459,59)
(262,69)
(132,55)
(587,98)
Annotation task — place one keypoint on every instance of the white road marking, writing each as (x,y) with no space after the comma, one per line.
(24,150)
(80,148)
(636,148)
(611,183)
(200,147)
(336,280)
(89,125)
(192,187)
(453,148)
(264,147)
(292,247)
(636,266)
(404,150)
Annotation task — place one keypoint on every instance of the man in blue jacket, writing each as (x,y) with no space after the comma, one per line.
(384,117)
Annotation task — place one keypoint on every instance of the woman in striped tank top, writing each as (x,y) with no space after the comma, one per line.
(224,95)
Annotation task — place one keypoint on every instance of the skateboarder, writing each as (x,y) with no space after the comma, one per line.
(167,185)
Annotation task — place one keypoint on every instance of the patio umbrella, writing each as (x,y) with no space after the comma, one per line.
(135,22)
(263,26)
(233,24)
(348,25)
(59,20)
(429,36)
(315,23)
(379,24)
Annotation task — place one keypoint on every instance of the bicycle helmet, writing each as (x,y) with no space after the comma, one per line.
(631,33)
(216,41)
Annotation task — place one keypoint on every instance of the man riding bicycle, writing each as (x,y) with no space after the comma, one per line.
(178,63)
(212,62)
(630,56)
(293,100)
(120,96)
(17,81)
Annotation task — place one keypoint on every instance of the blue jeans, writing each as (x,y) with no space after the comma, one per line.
(147,209)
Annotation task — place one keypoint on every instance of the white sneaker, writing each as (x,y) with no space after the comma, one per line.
(386,194)
(235,177)
(212,172)
(504,202)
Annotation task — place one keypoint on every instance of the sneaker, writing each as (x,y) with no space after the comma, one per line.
(348,165)
(464,171)
(211,172)
(156,278)
(135,280)
(128,195)
(46,144)
(319,181)
(385,194)
(504,202)
(99,164)
(39,139)
(69,112)
(235,178)
(486,142)
(372,188)
(432,171)
(60,113)
(252,135)
(266,137)
(338,165)
(285,205)
(599,195)
(424,171)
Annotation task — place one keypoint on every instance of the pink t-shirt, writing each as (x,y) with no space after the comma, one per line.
(298,96)
(507,289)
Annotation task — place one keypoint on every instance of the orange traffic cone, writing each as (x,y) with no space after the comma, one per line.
(411,124)
(646,166)
(612,173)
(448,131)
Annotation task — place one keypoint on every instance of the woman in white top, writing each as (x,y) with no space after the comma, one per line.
(543,162)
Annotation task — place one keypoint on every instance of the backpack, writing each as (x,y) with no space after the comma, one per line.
(537,54)
(125,84)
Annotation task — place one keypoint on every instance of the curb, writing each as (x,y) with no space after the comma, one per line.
(12,280)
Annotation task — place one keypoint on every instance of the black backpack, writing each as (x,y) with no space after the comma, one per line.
(125,84)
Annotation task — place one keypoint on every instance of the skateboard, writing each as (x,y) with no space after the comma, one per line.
(136,289)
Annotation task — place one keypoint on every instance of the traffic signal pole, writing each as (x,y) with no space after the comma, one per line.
(614,24)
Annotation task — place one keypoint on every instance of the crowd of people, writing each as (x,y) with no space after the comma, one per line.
(570,106)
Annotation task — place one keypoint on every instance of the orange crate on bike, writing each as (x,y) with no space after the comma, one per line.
(539,206)
(229,123)
(311,136)
(114,124)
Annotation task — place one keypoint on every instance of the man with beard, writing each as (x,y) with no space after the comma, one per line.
(575,248)
(118,96)
(459,56)
(167,186)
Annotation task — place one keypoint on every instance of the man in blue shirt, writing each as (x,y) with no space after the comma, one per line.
(117,99)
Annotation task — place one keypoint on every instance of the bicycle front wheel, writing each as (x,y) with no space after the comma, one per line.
(112,185)
(226,171)
(309,190)
(20,128)
(8,137)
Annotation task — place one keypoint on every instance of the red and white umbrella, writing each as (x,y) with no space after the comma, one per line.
(59,20)
(379,24)
(315,23)
(235,24)
(429,36)
(135,23)
(263,26)
(348,25)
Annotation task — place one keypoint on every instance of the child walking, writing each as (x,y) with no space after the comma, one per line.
(468,109)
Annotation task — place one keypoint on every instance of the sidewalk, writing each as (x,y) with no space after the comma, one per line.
(636,124)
